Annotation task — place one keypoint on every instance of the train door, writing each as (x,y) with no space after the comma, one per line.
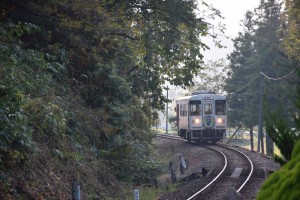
(195,114)
(220,107)
(195,122)
(208,114)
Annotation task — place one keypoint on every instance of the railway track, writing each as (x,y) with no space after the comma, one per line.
(235,173)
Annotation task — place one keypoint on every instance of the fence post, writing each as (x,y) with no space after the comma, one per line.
(172,172)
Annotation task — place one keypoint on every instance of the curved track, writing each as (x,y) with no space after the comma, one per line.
(219,149)
(251,167)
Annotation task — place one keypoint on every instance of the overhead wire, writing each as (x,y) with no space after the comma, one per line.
(270,78)
(245,85)
(277,79)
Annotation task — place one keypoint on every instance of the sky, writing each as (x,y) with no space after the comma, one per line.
(233,12)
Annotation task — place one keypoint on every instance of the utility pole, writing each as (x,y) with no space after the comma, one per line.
(260,140)
(167,88)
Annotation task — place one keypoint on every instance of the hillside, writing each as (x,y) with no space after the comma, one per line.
(81,87)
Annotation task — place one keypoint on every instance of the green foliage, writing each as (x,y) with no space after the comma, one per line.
(48,119)
(285,183)
(258,50)
(147,44)
(279,159)
(212,77)
(130,147)
(87,78)
(290,29)
(283,132)
(282,135)
(26,78)
(242,69)
(18,80)
(173,122)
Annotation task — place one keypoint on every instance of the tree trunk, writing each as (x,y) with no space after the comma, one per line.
(251,138)
(270,145)
(234,134)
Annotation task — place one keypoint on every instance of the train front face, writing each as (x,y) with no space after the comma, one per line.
(208,118)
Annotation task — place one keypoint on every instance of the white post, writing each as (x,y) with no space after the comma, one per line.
(136,194)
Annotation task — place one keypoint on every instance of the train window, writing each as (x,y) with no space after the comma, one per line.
(195,108)
(220,107)
(182,110)
(208,108)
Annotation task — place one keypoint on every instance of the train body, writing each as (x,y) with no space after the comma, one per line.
(202,117)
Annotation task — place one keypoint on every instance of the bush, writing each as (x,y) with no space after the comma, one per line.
(25,76)
(285,183)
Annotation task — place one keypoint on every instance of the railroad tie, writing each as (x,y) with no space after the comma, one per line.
(236,172)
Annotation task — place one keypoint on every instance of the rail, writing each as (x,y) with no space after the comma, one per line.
(222,171)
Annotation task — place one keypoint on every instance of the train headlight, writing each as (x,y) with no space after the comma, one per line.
(220,120)
(197,121)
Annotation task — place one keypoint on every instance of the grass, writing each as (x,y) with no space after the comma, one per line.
(243,140)
(151,193)
(163,131)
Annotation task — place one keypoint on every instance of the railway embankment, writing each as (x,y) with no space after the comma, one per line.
(202,163)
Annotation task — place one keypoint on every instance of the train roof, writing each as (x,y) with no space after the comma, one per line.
(203,95)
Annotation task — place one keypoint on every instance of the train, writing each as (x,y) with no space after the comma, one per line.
(202,116)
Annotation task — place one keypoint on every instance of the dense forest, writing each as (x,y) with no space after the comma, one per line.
(81,85)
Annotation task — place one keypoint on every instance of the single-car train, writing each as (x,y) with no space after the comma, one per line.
(202,117)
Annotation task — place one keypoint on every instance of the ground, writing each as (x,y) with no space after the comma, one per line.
(167,151)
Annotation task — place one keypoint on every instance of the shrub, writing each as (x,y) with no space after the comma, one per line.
(285,183)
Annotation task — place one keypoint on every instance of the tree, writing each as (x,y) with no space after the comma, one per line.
(212,77)
(103,64)
(25,76)
(279,129)
(283,124)
(258,50)
(149,42)
(241,64)
(290,28)
(285,182)
(171,46)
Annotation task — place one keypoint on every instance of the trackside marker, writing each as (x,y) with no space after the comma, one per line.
(236,172)
(136,194)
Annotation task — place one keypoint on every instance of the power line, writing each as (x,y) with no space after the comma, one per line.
(277,79)
(270,78)
(260,121)
(244,85)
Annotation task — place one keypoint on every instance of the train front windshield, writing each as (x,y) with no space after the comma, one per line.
(195,108)
(220,107)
